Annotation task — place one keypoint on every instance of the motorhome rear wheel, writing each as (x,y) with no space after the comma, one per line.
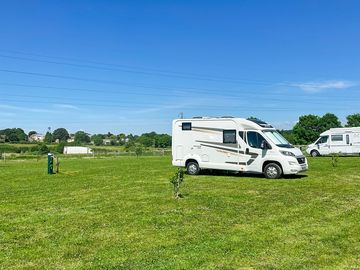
(193,168)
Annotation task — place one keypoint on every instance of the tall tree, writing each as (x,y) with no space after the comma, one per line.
(60,134)
(48,138)
(81,137)
(97,139)
(328,121)
(353,120)
(307,129)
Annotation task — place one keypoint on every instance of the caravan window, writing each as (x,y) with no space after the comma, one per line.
(347,139)
(336,138)
(186,126)
(229,136)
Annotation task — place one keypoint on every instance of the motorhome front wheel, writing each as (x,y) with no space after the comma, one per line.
(272,171)
(315,153)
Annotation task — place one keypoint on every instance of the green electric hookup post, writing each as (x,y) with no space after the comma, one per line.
(50,163)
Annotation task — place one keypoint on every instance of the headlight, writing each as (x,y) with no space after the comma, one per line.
(287,153)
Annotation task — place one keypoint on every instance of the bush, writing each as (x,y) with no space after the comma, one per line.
(43,149)
(60,147)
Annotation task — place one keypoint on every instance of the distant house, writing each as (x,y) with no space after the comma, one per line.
(71,139)
(37,137)
(107,141)
(2,138)
(77,150)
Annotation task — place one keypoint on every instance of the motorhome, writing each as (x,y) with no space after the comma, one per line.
(233,144)
(336,141)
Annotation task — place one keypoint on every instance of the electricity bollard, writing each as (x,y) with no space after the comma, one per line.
(50,163)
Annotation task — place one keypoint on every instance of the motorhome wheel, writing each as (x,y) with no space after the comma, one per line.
(272,171)
(315,153)
(192,168)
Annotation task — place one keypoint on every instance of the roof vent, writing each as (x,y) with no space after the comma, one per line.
(260,123)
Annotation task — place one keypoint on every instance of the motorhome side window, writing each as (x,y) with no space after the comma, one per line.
(229,136)
(254,139)
(186,126)
(336,138)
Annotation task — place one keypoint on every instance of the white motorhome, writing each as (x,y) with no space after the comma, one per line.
(336,141)
(233,144)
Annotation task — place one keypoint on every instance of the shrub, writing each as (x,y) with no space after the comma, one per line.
(60,147)
(176,180)
(43,149)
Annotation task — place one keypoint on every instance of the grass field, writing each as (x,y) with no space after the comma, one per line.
(118,213)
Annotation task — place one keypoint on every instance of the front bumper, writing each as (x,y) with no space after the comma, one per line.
(293,166)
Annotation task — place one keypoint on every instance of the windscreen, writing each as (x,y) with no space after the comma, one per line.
(277,138)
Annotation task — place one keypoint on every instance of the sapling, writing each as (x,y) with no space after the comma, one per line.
(334,159)
(176,180)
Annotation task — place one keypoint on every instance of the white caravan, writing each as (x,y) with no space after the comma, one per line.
(336,141)
(233,144)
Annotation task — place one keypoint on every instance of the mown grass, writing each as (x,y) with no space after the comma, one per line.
(119,213)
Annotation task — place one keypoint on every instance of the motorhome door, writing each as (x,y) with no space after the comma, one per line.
(254,151)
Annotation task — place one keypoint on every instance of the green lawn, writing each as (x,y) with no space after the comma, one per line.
(118,213)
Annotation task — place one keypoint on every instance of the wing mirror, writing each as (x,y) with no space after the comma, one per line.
(265,145)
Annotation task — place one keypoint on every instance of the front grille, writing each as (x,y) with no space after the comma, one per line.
(301,160)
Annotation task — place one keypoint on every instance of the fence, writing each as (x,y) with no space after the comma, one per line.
(96,153)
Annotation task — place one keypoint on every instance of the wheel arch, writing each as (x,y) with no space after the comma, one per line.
(272,161)
(191,160)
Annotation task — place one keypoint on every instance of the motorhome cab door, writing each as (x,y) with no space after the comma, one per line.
(254,151)
(323,145)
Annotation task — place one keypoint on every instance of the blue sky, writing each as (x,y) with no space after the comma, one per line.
(133,66)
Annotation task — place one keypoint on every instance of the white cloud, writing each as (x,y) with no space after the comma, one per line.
(323,85)
(25,109)
(67,106)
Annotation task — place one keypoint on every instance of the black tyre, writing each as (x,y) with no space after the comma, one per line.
(192,168)
(272,171)
(314,153)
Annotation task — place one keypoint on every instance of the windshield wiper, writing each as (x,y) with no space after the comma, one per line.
(285,145)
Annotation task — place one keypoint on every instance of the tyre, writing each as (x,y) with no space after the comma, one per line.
(192,168)
(314,153)
(272,171)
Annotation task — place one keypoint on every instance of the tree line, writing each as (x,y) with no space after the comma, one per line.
(305,131)
(61,135)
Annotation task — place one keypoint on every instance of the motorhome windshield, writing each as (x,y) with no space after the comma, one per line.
(277,138)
